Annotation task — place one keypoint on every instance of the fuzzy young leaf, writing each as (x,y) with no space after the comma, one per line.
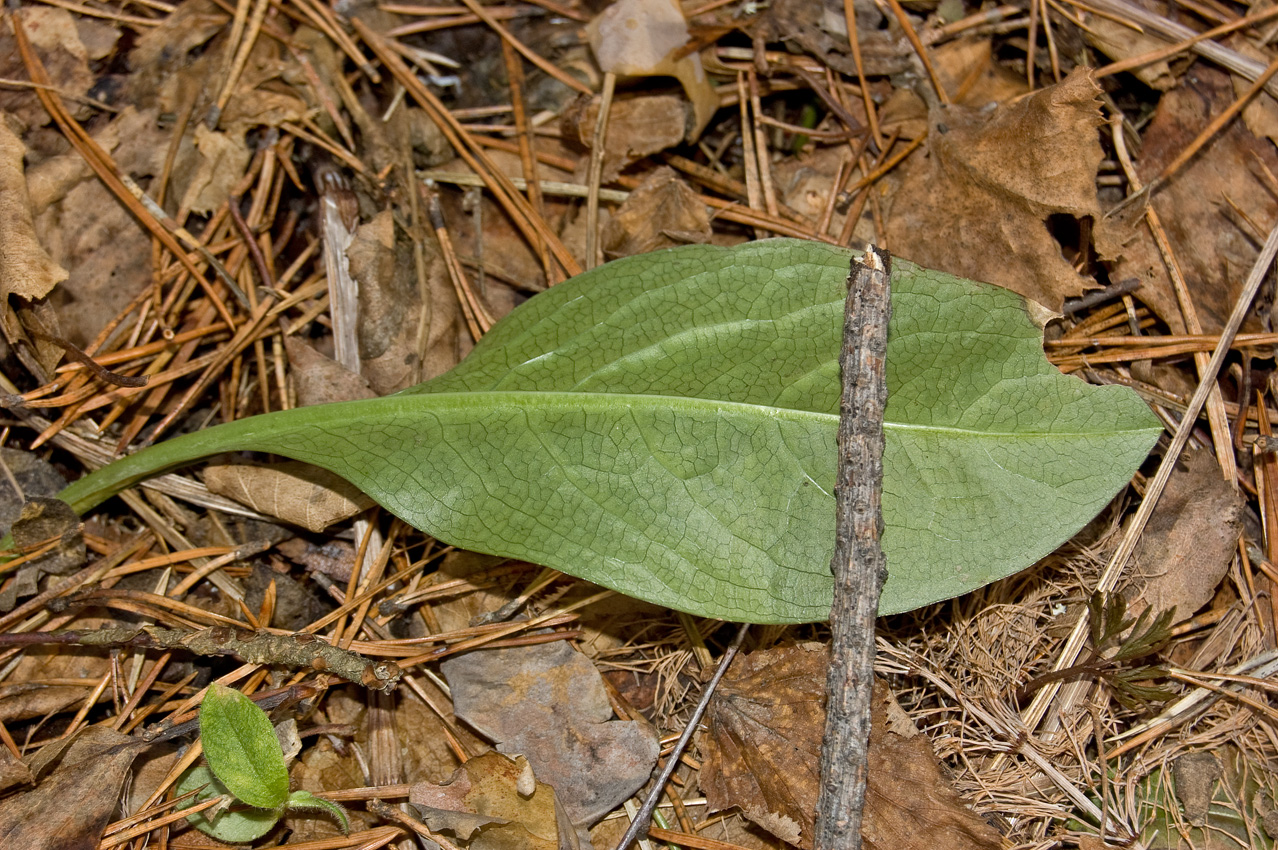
(305,801)
(233,823)
(241,748)
(664,425)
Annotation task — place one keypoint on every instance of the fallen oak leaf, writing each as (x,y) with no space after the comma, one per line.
(78,789)
(763,752)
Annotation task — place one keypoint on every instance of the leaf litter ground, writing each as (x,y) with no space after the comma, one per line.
(275,136)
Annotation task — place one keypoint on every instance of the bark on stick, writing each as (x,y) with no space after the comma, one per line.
(859,564)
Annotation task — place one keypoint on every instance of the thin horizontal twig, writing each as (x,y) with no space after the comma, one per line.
(298,651)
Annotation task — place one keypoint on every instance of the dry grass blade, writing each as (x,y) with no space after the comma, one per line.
(1215,401)
(597,150)
(1187,44)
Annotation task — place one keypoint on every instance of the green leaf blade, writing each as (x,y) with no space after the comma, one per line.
(242,749)
(604,486)
(233,825)
(665,426)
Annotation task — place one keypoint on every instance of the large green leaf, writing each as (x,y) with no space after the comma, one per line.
(665,425)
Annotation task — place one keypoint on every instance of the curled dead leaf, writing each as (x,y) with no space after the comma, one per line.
(637,127)
(72,804)
(662,213)
(26,269)
(295,492)
(641,38)
(983,201)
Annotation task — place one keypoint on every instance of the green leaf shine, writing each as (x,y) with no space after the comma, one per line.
(242,749)
(664,425)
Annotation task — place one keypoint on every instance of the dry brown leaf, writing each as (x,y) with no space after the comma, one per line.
(494,802)
(763,748)
(763,754)
(72,804)
(55,38)
(548,702)
(979,204)
(910,803)
(262,108)
(320,379)
(481,230)
(26,269)
(425,752)
(263,96)
(967,69)
(1213,250)
(390,306)
(662,213)
(446,343)
(805,182)
(295,492)
(427,140)
(25,701)
(903,114)
(161,51)
(223,158)
(1190,540)
(47,663)
(32,475)
(1196,775)
(12,771)
(335,558)
(458,611)
(87,230)
(44,519)
(637,127)
(297,604)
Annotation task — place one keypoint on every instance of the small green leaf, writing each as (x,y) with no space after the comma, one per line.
(306,801)
(665,425)
(241,748)
(233,824)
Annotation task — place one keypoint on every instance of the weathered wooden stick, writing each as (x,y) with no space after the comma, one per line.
(859,564)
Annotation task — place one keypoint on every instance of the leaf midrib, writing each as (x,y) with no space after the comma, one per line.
(262,433)
(606,402)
